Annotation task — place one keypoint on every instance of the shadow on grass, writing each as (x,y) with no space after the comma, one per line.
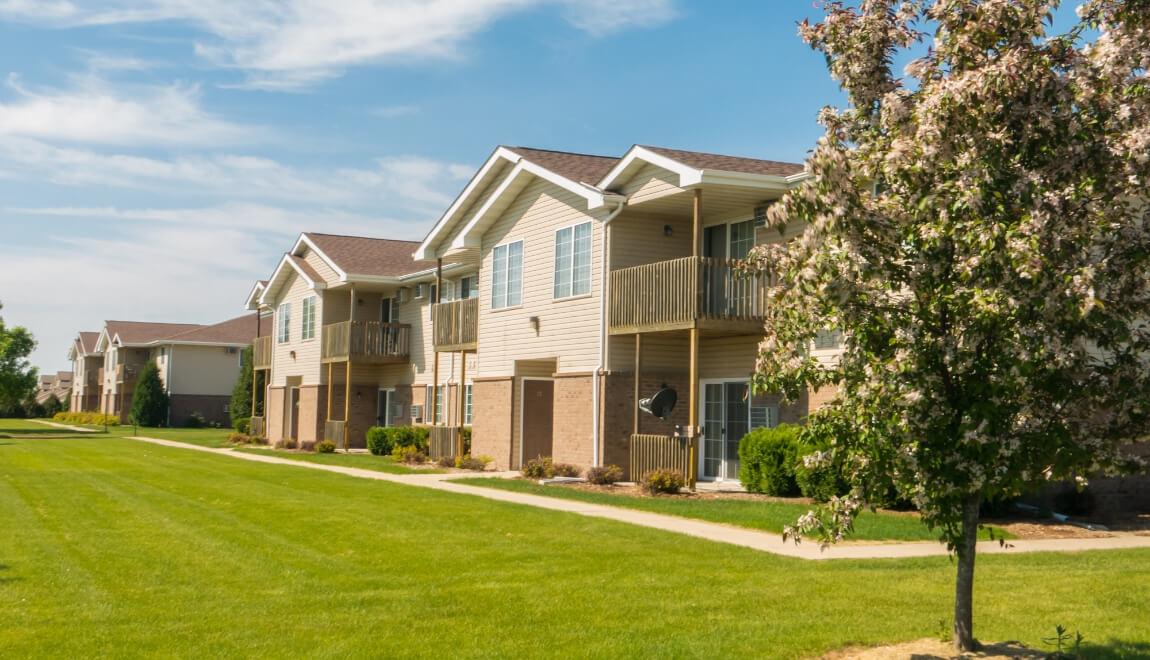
(1112,649)
(5,579)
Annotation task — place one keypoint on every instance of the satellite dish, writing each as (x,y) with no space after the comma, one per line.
(661,404)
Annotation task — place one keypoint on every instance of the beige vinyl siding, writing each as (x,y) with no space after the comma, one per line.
(651,182)
(203,370)
(568,329)
(307,360)
(638,239)
(326,272)
(495,177)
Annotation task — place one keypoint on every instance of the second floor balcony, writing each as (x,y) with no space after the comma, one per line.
(126,374)
(689,292)
(456,325)
(262,353)
(366,342)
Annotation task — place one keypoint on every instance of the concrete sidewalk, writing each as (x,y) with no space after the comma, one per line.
(77,429)
(747,538)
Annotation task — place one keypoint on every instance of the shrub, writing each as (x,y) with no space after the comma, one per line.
(446,462)
(466,439)
(379,440)
(605,475)
(324,447)
(195,421)
(411,455)
(564,470)
(538,468)
(286,443)
(767,460)
(239,439)
(243,425)
(258,440)
(660,481)
(820,482)
(52,405)
(469,462)
(90,418)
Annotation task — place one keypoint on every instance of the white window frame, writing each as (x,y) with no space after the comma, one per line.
(283,323)
(307,319)
(501,281)
(467,394)
(574,286)
(472,286)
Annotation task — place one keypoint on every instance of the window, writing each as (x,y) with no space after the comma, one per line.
(468,287)
(437,405)
(573,261)
(283,334)
(828,340)
(307,331)
(467,405)
(742,239)
(507,275)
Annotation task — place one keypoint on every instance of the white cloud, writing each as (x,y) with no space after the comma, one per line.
(291,44)
(92,111)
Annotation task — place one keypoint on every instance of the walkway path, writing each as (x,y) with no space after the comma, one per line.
(747,538)
(77,429)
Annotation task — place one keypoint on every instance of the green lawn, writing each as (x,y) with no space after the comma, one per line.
(363,461)
(769,515)
(203,437)
(114,547)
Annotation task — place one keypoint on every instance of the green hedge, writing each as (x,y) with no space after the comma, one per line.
(767,460)
(382,440)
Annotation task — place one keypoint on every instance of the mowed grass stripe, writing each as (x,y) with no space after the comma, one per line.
(181,553)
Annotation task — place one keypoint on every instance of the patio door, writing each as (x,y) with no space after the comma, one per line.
(726,419)
(384,403)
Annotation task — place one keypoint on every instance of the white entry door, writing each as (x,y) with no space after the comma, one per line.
(726,419)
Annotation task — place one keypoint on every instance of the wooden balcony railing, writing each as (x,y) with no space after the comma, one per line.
(262,353)
(369,342)
(687,292)
(456,325)
(127,373)
(660,452)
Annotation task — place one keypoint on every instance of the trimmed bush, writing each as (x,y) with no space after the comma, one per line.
(469,462)
(538,468)
(379,440)
(819,482)
(663,481)
(767,460)
(243,425)
(411,455)
(195,421)
(564,470)
(383,440)
(604,475)
(324,447)
(239,439)
(90,418)
(446,462)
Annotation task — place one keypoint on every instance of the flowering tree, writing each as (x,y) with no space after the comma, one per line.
(978,227)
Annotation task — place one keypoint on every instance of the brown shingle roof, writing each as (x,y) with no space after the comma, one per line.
(705,161)
(580,168)
(306,268)
(240,330)
(143,332)
(86,342)
(376,257)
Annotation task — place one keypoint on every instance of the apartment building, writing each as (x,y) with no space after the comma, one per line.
(198,365)
(87,372)
(351,341)
(604,280)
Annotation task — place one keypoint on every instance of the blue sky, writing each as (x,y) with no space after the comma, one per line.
(156,156)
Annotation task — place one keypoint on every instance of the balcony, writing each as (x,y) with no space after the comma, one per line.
(366,342)
(689,292)
(126,374)
(456,325)
(262,353)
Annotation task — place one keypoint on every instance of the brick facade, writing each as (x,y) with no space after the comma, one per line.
(491,402)
(274,414)
(572,434)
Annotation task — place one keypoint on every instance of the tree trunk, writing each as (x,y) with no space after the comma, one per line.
(964,581)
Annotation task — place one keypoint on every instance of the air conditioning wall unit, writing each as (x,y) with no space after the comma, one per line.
(761,215)
(402,294)
(420,291)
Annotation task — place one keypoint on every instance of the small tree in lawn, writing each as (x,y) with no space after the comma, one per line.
(241,404)
(52,405)
(17,375)
(979,229)
(149,401)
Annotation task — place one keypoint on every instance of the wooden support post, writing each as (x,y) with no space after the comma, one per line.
(461,392)
(435,366)
(693,398)
(697,223)
(638,378)
(255,379)
(347,409)
(329,377)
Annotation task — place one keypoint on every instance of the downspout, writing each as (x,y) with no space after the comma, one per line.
(596,388)
(168,380)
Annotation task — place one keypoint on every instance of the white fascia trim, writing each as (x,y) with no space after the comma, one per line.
(745,180)
(370,279)
(274,285)
(253,301)
(424,251)
(688,176)
(595,198)
(220,344)
(103,341)
(304,240)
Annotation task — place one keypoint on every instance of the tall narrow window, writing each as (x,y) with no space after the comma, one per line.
(468,287)
(573,261)
(742,239)
(507,275)
(439,404)
(283,316)
(467,405)
(308,321)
